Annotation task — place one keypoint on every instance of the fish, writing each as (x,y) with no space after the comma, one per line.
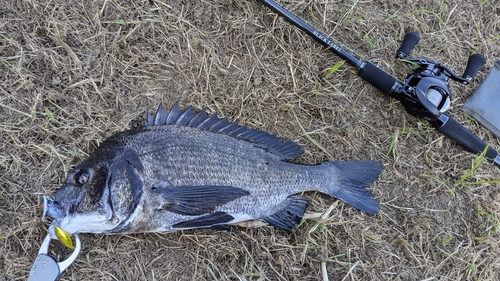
(187,169)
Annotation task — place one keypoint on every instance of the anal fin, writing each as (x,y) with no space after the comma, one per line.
(291,213)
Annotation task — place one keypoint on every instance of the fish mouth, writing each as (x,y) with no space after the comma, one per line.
(65,221)
(58,211)
(53,209)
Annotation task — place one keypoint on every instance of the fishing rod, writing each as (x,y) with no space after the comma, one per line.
(424,94)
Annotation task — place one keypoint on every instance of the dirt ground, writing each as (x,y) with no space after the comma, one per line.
(72,73)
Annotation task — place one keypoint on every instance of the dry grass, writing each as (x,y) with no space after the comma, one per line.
(72,74)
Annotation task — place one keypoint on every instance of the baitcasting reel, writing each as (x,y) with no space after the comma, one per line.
(426,93)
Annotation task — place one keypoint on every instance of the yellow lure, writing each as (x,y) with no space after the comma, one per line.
(63,237)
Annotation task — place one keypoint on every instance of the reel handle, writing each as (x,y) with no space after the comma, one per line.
(409,41)
(475,62)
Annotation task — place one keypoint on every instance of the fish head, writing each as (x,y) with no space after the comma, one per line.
(81,204)
(98,194)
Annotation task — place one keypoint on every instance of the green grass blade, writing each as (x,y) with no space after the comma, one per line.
(479,159)
(393,16)
(49,114)
(447,239)
(440,182)
(316,90)
(393,142)
(333,69)
(481,182)
(494,38)
(495,226)
(436,16)
(370,42)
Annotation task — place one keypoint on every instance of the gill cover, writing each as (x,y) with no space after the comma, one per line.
(125,185)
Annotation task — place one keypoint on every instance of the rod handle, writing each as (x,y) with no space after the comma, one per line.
(378,78)
(455,131)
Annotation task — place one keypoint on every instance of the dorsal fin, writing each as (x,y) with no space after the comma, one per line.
(190,118)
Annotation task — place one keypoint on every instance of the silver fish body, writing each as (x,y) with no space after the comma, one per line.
(184,170)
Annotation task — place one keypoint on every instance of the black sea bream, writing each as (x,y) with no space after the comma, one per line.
(184,170)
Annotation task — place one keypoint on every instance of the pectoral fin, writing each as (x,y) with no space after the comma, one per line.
(197,200)
(207,221)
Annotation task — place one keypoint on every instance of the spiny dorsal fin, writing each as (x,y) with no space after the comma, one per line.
(213,123)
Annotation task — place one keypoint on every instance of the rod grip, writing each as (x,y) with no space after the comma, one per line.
(455,131)
(409,41)
(378,78)
(475,62)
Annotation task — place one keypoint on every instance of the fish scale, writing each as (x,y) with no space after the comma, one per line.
(216,168)
(185,169)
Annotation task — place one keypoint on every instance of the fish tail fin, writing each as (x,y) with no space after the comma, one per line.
(353,178)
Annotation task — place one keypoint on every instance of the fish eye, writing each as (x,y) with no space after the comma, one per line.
(81,178)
